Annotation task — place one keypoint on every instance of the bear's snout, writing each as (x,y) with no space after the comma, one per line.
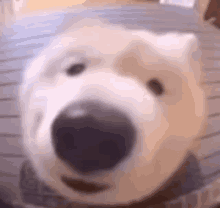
(91,136)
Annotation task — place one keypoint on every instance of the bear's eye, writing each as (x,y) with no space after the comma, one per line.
(75,69)
(156,86)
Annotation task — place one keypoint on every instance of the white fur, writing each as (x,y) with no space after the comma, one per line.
(119,64)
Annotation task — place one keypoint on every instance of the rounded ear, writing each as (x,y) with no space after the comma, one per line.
(195,61)
(182,49)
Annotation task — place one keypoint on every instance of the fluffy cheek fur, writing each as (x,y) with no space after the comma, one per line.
(118,72)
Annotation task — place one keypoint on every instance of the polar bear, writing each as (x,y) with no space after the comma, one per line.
(108,113)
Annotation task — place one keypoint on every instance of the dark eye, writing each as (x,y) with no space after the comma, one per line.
(156,86)
(75,69)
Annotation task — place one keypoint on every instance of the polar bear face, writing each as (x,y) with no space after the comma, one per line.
(108,114)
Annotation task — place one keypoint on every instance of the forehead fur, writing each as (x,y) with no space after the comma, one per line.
(97,38)
(173,46)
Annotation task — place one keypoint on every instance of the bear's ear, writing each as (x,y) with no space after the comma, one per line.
(181,50)
(195,60)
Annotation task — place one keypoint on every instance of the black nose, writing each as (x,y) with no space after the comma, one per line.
(98,139)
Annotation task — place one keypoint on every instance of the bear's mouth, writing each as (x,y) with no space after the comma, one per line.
(82,186)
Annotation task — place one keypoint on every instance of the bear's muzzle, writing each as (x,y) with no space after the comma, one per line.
(91,136)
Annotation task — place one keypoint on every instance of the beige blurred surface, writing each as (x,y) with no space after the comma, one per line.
(33,5)
(203,5)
